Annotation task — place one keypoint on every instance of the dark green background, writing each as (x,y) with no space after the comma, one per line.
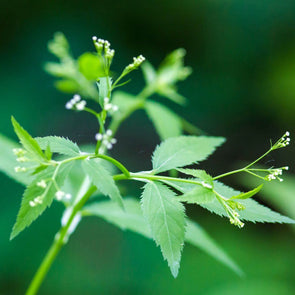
(242,87)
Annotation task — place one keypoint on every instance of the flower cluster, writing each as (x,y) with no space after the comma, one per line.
(38,200)
(101,44)
(106,139)
(109,106)
(60,195)
(20,153)
(274,173)
(137,61)
(76,103)
(282,142)
(233,215)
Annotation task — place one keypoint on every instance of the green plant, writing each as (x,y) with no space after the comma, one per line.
(50,167)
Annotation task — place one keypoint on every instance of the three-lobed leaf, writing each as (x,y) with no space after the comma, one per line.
(27,214)
(166,122)
(183,150)
(102,180)
(132,219)
(59,145)
(166,218)
(28,142)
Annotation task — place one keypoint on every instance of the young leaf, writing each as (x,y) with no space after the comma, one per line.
(8,161)
(183,150)
(167,123)
(27,214)
(91,66)
(249,194)
(198,237)
(198,195)
(132,219)
(59,145)
(66,85)
(104,86)
(254,211)
(166,218)
(102,180)
(29,143)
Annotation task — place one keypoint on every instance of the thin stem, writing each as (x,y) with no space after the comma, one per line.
(115,162)
(58,242)
(229,173)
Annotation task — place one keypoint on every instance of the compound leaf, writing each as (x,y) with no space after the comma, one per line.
(166,218)
(183,150)
(132,219)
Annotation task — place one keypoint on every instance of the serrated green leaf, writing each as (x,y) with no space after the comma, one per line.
(132,219)
(91,66)
(166,122)
(166,218)
(28,142)
(149,72)
(183,150)
(249,194)
(102,180)
(198,237)
(67,86)
(201,174)
(59,145)
(27,214)
(254,211)
(8,161)
(198,195)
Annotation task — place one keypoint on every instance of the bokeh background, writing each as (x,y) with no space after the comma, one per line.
(243,87)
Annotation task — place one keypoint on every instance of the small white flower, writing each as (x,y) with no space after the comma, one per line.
(68,196)
(69,105)
(20,169)
(42,183)
(59,195)
(108,106)
(38,200)
(32,203)
(109,132)
(94,38)
(109,146)
(81,105)
(98,136)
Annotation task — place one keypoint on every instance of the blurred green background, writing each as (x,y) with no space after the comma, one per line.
(242,87)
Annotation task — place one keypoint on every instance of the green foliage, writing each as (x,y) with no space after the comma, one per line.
(30,144)
(102,180)
(59,145)
(8,161)
(40,196)
(166,122)
(132,219)
(183,150)
(55,168)
(166,218)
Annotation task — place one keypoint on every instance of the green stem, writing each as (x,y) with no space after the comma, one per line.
(229,173)
(59,241)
